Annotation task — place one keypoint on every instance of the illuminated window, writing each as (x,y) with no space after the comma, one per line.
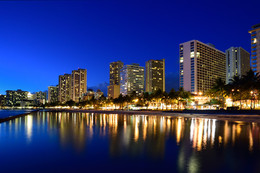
(192,54)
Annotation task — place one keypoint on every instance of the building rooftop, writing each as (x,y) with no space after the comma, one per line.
(206,44)
(256,26)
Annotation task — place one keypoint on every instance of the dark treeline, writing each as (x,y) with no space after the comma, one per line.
(240,89)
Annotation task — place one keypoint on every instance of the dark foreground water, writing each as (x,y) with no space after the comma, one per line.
(82,142)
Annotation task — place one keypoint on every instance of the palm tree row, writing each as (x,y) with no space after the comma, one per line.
(241,88)
(155,100)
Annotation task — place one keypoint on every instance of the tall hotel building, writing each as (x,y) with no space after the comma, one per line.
(237,63)
(255,48)
(64,88)
(53,94)
(78,84)
(132,79)
(200,65)
(155,75)
(113,90)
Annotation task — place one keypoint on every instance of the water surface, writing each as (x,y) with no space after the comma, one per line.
(83,142)
(5,113)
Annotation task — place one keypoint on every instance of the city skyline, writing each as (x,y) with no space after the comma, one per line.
(47,45)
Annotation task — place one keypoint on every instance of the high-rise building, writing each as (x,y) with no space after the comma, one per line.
(16,97)
(53,94)
(65,88)
(113,90)
(255,47)
(115,67)
(237,63)
(2,100)
(79,84)
(155,75)
(40,97)
(200,65)
(132,79)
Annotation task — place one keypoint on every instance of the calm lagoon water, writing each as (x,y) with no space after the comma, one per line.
(82,142)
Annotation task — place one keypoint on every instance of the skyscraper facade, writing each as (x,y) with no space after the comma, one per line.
(53,94)
(113,90)
(237,63)
(78,84)
(132,79)
(200,65)
(114,74)
(16,97)
(155,75)
(255,47)
(65,88)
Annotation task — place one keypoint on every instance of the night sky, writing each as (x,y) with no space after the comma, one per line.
(40,40)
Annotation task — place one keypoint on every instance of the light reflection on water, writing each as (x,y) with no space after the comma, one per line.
(188,143)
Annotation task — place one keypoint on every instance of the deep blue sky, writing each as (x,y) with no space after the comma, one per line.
(40,40)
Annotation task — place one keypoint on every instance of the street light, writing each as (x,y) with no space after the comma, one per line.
(252,93)
(233,97)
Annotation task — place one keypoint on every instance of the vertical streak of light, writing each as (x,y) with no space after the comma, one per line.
(205,132)
(233,133)
(251,142)
(213,131)
(192,129)
(200,133)
(145,129)
(179,129)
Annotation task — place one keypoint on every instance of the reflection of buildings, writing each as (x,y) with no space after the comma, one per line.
(173,141)
(137,135)
(131,134)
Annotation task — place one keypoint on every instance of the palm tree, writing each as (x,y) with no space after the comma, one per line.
(251,85)
(219,88)
(235,88)
(146,98)
(165,98)
(157,95)
(119,101)
(173,95)
(183,96)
